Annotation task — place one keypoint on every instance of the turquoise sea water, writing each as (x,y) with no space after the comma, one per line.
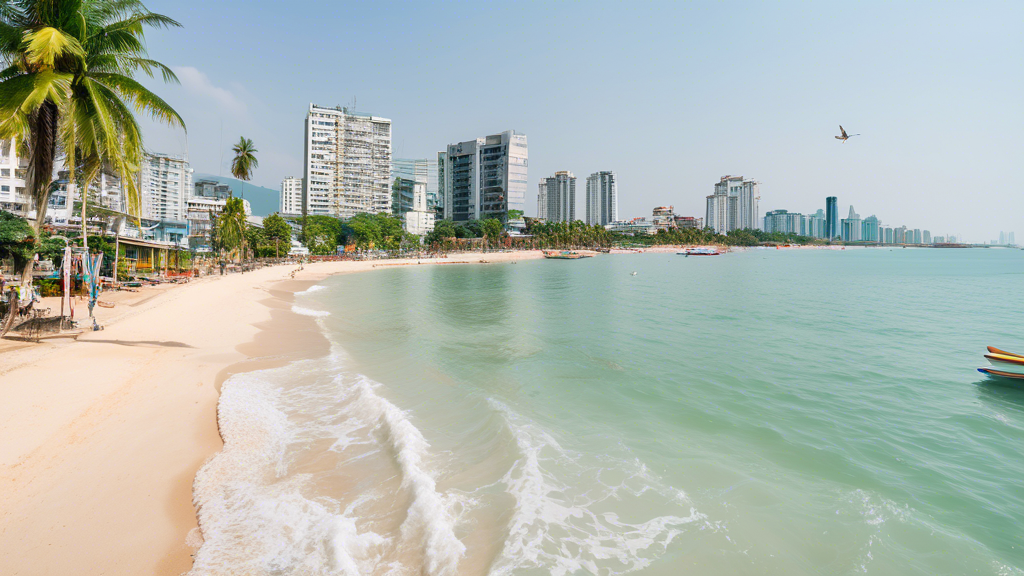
(760,412)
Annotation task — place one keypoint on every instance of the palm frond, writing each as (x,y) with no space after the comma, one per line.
(138,96)
(46,45)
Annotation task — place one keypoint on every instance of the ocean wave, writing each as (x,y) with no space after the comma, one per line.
(256,519)
(311,290)
(308,312)
(429,523)
(554,525)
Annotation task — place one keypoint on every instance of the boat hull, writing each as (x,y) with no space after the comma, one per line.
(1002,375)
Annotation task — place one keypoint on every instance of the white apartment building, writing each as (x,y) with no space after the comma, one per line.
(733,206)
(561,193)
(483,177)
(12,180)
(200,211)
(411,205)
(291,195)
(348,163)
(165,185)
(602,198)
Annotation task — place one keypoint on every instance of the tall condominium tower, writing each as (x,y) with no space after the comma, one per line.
(165,185)
(869,229)
(832,217)
(542,199)
(348,163)
(291,195)
(561,196)
(851,227)
(602,198)
(484,177)
(733,206)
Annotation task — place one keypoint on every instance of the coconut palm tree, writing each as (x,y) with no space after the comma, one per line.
(244,162)
(232,224)
(69,84)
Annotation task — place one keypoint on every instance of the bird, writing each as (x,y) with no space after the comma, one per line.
(845,136)
(633,274)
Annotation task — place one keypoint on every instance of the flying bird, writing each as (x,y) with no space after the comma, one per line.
(845,136)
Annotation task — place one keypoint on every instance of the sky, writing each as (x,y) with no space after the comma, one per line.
(670,95)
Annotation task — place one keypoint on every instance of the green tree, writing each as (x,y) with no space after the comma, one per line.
(244,162)
(69,80)
(277,232)
(330,223)
(17,239)
(231,226)
(320,239)
(492,230)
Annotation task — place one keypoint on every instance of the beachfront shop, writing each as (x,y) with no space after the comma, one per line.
(149,256)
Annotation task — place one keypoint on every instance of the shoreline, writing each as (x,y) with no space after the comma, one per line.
(104,435)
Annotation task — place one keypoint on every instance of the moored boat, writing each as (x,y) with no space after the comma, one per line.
(565,254)
(700,252)
(1002,375)
(995,350)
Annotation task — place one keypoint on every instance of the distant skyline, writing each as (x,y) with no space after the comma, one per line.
(670,96)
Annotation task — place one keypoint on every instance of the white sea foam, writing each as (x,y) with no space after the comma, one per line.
(311,290)
(429,523)
(255,518)
(553,526)
(308,312)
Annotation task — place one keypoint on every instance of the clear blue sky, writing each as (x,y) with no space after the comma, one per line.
(670,95)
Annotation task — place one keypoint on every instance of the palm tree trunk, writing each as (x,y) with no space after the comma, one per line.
(40,171)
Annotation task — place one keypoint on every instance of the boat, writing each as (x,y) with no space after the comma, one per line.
(995,350)
(1001,374)
(699,252)
(1003,358)
(565,254)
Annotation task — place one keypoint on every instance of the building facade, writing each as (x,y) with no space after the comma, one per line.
(200,212)
(733,206)
(291,196)
(785,222)
(348,163)
(560,190)
(420,170)
(869,229)
(12,180)
(832,218)
(485,177)
(165,185)
(409,202)
(602,206)
(542,199)
(851,227)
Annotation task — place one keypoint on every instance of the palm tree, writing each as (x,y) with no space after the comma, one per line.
(69,82)
(232,224)
(244,162)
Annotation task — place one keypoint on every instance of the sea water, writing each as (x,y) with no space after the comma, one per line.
(761,412)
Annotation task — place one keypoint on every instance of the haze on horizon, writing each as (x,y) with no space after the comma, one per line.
(669,95)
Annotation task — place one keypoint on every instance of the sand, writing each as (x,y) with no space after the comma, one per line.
(100,438)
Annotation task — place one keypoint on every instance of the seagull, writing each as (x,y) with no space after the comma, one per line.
(633,274)
(845,136)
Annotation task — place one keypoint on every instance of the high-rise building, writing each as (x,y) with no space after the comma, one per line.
(1002,237)
(420,170)
(348,163)
(851,227)
(165,185)
(1011,240)
(926,237)
(869,229)
(542,199)
(918,237)
(832,217)
(733,206)
(485,177)
(561,196)
(12,180)
(602,198)
(442,160)
(785,222)
(291,195)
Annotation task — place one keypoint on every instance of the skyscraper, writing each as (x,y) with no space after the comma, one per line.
(831,217)
(485,177)
(165,184)
(421,170)
(869,229)
(926,237)
(733,206)
(851,227)
(561,196)
(348,163)
(602,198)
(291,195)
(1002,237)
